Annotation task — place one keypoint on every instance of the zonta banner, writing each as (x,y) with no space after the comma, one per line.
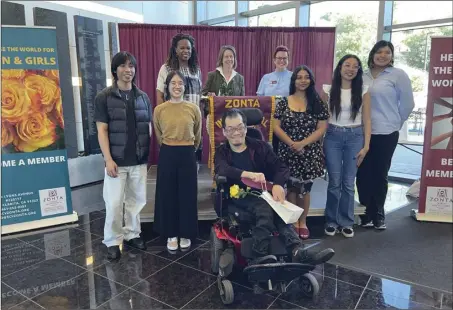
(218,105)
(436,190)
(35,178)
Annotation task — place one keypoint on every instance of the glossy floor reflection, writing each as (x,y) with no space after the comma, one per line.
(396,196)
(67,269)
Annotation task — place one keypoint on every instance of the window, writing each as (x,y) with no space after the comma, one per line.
(412,53)
(215,9)
(416,11)
(253,5)
(356,24)
(230,23)
(286,18)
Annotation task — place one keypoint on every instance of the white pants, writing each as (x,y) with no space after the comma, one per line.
(129,187)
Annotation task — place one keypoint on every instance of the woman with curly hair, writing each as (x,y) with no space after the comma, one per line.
(182,57)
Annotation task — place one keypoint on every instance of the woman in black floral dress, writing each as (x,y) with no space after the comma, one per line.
(300,124)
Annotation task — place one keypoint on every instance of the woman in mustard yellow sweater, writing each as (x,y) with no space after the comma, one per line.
(177,125)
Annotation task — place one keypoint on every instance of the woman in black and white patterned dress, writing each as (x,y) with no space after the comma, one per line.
(300,124)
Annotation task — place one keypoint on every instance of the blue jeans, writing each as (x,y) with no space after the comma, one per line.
(341,146)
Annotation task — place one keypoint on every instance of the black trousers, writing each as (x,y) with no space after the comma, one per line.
(372,176)
(267,222)
(175,210)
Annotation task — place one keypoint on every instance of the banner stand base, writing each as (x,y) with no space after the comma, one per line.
(426,217)
(54,221)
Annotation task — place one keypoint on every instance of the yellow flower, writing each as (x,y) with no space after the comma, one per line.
(34,132)
(234,191)
(8,134)
(42,91)
(15,101)
(58,111)
(53,75)
(8,74)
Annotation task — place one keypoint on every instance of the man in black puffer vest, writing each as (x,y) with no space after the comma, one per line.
(123,118)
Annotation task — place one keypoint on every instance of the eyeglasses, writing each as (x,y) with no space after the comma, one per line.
(282,58)
(231,130)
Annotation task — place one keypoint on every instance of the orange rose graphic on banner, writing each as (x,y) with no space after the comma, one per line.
(52,74)
(8,134)
(59,112)
(13,74)
(43,92)
(32,113)
(15,101)
(35,132)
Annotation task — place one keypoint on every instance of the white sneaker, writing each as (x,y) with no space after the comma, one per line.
(347,232)
(172,243)
(184,243)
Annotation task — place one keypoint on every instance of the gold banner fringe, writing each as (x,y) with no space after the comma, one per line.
(211,134)
(271,120)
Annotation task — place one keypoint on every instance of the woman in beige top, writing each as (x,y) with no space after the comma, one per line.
(177,125)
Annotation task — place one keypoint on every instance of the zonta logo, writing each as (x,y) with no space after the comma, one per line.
(53,196)
(442,196)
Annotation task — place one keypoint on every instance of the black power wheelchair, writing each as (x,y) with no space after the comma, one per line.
(231,245)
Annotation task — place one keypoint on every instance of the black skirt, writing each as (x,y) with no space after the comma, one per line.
(175,211)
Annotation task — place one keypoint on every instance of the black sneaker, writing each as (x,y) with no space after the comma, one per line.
(330,231)
(366,221)
(348,232)
(113,252)
(313,257)
(380,226)
(367,224)
(268,259)
(137,243)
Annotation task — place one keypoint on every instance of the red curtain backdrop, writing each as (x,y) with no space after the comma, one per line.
(311,46)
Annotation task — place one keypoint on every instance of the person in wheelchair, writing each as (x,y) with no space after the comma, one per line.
(243,157)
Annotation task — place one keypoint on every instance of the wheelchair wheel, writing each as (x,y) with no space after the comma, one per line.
(309,285)
(216,251)
(226,292)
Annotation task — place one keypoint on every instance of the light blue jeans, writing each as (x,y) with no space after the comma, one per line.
(341,146)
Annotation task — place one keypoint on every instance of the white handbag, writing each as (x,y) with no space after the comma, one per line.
(288,212)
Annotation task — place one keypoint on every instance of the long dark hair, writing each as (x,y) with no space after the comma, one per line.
(170,75)
(374,50)
(120,59)
(356,89)
(313,99)
(172,60)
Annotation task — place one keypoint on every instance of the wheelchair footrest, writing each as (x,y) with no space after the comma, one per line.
(226,262)
(276,272)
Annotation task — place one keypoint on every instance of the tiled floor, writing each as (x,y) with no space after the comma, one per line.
(67,269)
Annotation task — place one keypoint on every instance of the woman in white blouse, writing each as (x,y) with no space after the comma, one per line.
(346,142)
